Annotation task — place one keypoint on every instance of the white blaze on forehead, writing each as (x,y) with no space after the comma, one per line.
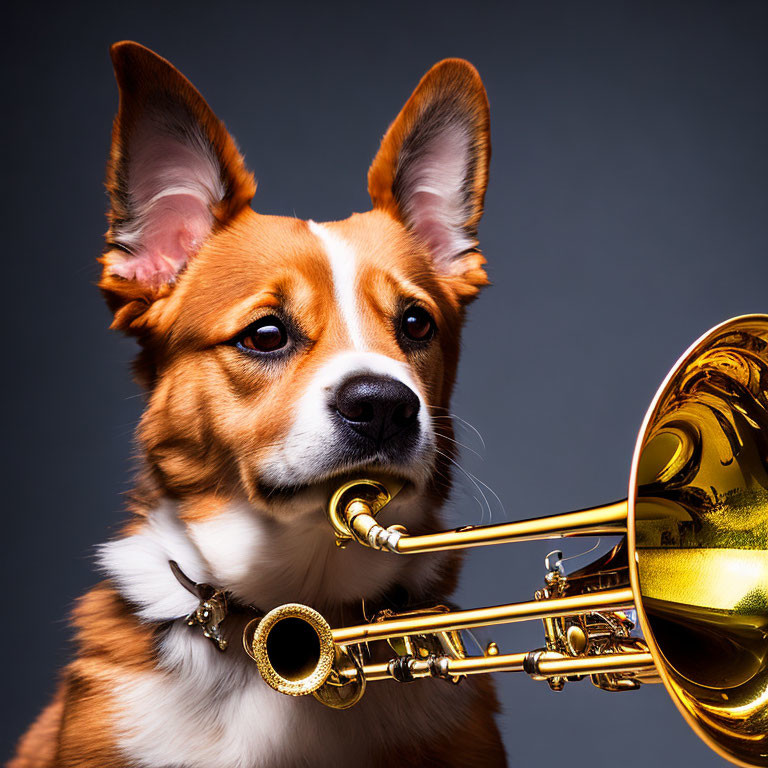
(343,262)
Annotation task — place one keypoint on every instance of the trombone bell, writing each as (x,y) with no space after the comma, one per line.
(698,536)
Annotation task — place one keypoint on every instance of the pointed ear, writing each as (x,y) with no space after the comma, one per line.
(432,168)
(174,175)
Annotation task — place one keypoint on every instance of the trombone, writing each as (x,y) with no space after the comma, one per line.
(682,599)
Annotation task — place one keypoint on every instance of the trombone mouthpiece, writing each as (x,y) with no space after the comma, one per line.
(353,508)
(293,649)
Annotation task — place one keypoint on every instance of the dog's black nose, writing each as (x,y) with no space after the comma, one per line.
(377,407)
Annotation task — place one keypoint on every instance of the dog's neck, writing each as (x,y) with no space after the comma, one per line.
(260,561)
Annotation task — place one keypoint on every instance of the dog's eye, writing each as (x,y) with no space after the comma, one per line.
(265,335)
(417,324)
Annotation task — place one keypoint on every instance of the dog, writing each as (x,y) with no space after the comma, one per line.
(279,357)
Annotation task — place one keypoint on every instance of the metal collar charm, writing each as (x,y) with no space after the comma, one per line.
(211,611)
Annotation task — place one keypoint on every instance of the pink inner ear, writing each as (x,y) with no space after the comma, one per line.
(170,234)
(433,194)
(173,181)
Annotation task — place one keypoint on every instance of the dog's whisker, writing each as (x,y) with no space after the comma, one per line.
(474,481)
(472,428)
(460,420)
(495,495)
(460,444)
(477,483)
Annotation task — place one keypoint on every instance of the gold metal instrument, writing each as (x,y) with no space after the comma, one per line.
(691,563)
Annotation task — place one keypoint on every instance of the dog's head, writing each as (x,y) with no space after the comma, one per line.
(280,353)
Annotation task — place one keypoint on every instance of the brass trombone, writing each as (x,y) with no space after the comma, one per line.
(692,564)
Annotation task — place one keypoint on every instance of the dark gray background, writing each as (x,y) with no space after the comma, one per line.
(627,213)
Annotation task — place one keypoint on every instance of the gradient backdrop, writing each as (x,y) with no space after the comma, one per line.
(627,213)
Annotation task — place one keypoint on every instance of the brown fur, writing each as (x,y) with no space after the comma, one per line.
(74,730)
(211,417)
(38,747)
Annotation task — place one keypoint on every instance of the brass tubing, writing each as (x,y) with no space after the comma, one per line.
(474,665)
(605,600)
(370,672)
(608,520)
(639,662)
(595,665)
(507,662)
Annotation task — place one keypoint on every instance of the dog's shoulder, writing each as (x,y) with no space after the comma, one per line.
(37,748)
(74,729)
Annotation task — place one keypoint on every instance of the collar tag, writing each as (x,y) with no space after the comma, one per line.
(210,612)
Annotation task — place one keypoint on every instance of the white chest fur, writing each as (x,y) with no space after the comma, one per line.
(204,708)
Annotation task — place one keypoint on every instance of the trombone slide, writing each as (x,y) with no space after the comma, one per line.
(605,600)
(548,665)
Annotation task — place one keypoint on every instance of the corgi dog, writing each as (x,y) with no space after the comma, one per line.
(279,358)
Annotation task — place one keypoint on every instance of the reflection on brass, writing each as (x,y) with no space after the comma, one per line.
(346,683)
(699,526)
(692,563)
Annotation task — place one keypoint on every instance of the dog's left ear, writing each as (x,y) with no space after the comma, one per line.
(174,176)
(431,171)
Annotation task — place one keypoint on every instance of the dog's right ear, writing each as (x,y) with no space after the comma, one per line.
(174,176)
(431,170)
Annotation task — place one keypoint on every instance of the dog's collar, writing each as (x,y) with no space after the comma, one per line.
(215,604)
